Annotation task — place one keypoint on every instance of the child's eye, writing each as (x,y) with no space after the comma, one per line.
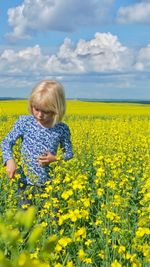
(43,111)
(46,112)
(36,109)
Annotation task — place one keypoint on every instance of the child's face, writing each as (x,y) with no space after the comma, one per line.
(44,117)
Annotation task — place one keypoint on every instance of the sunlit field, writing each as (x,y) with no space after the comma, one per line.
(96,211)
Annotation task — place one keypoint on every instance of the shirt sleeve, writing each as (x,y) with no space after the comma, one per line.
(66,144)
(10,139)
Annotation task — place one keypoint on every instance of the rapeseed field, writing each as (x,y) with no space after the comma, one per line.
(96,211)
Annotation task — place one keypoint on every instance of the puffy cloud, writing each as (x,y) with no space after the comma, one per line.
(62,15)
(102,62)
(103,58)
(136,13)
(103,53)
(143,59)
(24,61)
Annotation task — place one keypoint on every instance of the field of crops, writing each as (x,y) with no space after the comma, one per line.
(100,215)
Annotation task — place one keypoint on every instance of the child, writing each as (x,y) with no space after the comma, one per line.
(41,133)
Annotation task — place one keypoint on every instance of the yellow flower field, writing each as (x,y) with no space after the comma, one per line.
(96,212)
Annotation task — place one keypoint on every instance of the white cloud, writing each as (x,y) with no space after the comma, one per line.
(136,13)
(103,53)
(143,59)
(24,61)
(43,15)
(102,61)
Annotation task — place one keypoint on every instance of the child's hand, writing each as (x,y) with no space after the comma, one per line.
(46,159)
(11,168)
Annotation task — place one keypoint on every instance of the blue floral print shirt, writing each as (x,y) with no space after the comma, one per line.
(36,140)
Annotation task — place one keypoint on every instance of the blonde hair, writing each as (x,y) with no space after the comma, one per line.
(49,96)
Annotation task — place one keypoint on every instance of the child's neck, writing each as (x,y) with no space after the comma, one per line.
(48,124)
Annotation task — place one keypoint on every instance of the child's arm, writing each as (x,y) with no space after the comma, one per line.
(11,168)
(46,159)
(7,145)
(66,144)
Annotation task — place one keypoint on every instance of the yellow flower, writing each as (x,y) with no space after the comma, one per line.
(62,218)
(84,214)
(100,172)
(88,260)
(101,254)
(142,231)
(67,179)
(115,263)
(47,205)
(80,233)
(58,265)
(112,216)
(88,242)
(117,200)
(66,194)
(58,248)
(77,185)
(106,231)
(34,255)
(25,206)
(81,254)
(128,256)
(111,184)
(98,222)
(86,202)
(74,215)
(121,249)
(64,241)
(69,264)
(100,192)
(136,264)
(44,224)
(44,195)
(17,176)
(30,196)
(116,229)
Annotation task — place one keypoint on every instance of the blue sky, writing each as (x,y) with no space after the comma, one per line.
(95,48)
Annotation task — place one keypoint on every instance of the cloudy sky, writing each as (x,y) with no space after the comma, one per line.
(95,48)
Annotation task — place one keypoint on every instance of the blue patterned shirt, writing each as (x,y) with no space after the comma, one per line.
(36,140)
